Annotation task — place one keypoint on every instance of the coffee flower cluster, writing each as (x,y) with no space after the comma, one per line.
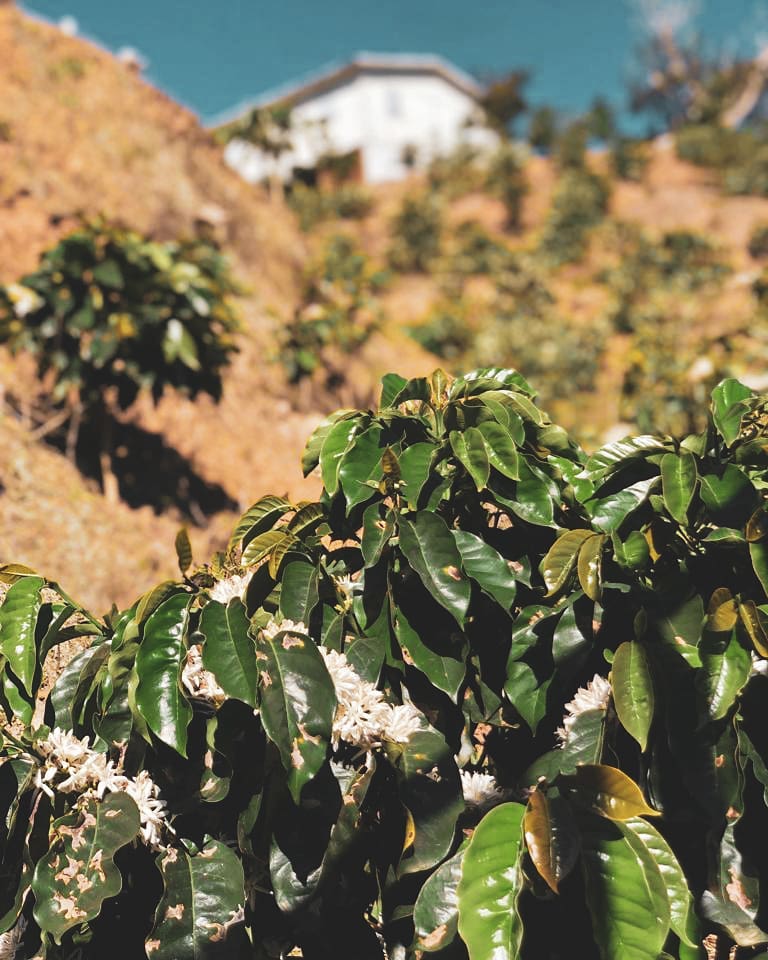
(71,766)
(595,696)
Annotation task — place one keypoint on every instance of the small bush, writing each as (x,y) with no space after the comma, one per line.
(758,242)
(506,180)
(313,206)
(628,158)
(580,202)
(456,173)
(338,311)
(416,234)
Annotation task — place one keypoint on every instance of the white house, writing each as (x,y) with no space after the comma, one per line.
(385,107)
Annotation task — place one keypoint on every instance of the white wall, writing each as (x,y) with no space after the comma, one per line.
(380,114)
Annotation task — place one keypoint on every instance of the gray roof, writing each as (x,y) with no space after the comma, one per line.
(335,74)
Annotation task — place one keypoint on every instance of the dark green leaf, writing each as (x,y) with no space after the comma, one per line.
(431,551)
(487,567)
(228,651)
(469,448)
(678,483)
(159,662)
(633,690)
(436,911)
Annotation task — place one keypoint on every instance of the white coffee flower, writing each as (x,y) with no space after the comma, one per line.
(24,299)
(479,789)
(231,587)
(71,766)
(284,626)
(199,682)
(595,696)
(363,716)
(346,589)
(10,941)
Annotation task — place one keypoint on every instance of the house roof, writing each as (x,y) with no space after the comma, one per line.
(334,74)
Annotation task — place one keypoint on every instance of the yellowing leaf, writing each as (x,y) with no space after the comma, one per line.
(608,791)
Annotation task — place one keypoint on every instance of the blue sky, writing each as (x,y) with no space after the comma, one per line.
(212,56)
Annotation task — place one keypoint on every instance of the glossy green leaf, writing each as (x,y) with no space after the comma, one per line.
(469,447)
(629,921)
(723,674)
(78,872)
(607,791)
(337,442)
(257,519)
(560,560)
(609,513)
(501,449)
(436,911)
(298,703)
(490,886)
(159,662)
(682,915)
(678,483)
(729,496)
(633,694)
(263,544)
(18,619)
(228,651)
(200,913)
(378,527)
(551,837)
(728,408)
(589,566)
(487,567)
(154,597)
(361,467)
(758,553)
(527,693)
(616,454)
(310,458)
(299,591)
(415,462)
(431,551)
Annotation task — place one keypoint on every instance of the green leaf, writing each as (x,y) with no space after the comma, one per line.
(377,530)
(430,789)
(728,408)
(436,911)
(589,566)
(431,551)
(183,550)
(263,544)
(551,837)
(758,554)
(615,455)
(18,619)
(501,449)
(228,651)
(469,448)
(78,872)
(723,674)
(154,597)
(361,466)
(633,690)
(628,920)
(415,463)
(490,885)
(728,497)
(675,884)
(298,703)
(299,591)
(487,567)
(607,791)
(391,385)
(337,442)
(678,483)
(159,662)
(259,517)
(197,917)
(526,693)
(442,670)
(608,513)
(560,559)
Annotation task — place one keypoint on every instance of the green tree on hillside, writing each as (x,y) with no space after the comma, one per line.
(109,313)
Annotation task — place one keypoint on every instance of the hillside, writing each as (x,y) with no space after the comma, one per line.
(66,150)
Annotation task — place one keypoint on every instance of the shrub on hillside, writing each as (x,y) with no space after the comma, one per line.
(456,173)
(416,232)
(580,202)
(337,314)
(506,180)
(109,313)
(312,206)
(487,692)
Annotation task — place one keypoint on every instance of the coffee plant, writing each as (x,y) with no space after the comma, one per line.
(416,234)
(579,203)
(487,697)
(109,313)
